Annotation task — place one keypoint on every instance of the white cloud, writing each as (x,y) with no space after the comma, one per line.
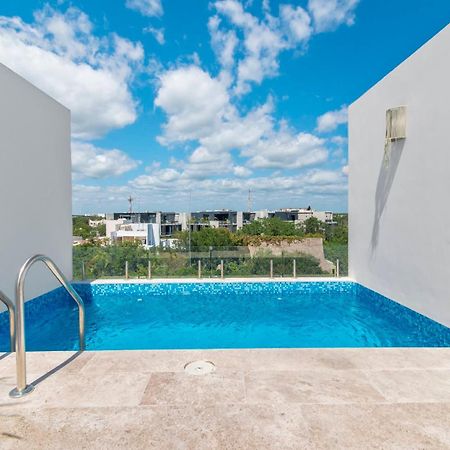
(323,177)
(345,170)
(315,182)
(241,171)
(256,55)
(203,114)
(100,199)
(237,132)
(339,140)
(331,120)
(263,41)
(310,187)
(194,102)
(297,21)
(329,14)
(157,33)
(147,8)
(224,45)
(286,150)
(88,74)
(199,110)
(89,161)
(203,163)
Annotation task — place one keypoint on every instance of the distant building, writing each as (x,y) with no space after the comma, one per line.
(222,218)
(170,222)
(96,223)
(148,234)
(299,215)
(158,228)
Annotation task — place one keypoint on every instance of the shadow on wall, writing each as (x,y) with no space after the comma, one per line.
(384,184)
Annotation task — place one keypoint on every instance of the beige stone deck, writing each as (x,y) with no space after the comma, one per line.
(299,398)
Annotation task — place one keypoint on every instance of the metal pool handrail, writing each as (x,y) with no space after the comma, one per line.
(22,388)
(12,320)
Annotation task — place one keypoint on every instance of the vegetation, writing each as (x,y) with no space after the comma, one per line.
(207,237)
(337,233)
(109,261)
(313,226)
(80,227)
(271,227)
(335,244)
(212,245)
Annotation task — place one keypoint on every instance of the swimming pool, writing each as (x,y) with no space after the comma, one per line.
(224,315)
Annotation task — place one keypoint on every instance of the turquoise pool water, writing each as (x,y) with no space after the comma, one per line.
(225,315)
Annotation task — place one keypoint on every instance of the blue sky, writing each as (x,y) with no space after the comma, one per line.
(191,104)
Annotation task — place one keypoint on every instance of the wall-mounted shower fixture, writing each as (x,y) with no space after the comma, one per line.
(395,129)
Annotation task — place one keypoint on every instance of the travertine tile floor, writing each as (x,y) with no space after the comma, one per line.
(256,399)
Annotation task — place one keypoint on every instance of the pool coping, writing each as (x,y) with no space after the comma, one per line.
(214,280)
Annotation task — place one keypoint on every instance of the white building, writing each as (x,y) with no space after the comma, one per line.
(96,223)
(262,214)
(112,225)
(122,230)
(323,216)
(392,249)
(299,215)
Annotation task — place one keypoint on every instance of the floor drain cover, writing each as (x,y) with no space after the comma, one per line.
(199,367)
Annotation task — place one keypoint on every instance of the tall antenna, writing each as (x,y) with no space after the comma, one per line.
(130,201)
(249,201)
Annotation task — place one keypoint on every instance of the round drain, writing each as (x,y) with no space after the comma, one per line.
(199,367)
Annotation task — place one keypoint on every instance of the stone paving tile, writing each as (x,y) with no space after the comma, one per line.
(390,426)
(417,386)
(176,427)
(180,388)
(310,386)
(232,426)
(398,358)
(162,360)
(78,390)
(7,383)
(240,360)
(5,364)
(301,359)
(43,362)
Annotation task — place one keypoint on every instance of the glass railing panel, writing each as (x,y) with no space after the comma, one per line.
(114,261)
(337,253)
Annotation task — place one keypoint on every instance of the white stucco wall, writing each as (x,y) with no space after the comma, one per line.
(399,215)
(35,183)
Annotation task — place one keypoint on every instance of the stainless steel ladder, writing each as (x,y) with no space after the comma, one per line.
(22,388)
(12,321)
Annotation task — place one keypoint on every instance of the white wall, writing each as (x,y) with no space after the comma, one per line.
(400,214)
(35,184)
